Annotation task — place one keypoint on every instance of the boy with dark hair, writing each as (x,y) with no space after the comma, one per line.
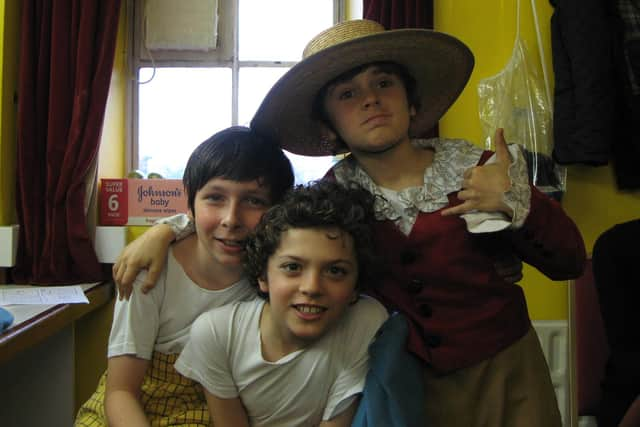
(231,179)
(297,357)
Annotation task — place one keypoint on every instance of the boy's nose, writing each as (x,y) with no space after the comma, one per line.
(231,218)
(370,97)
(311,284)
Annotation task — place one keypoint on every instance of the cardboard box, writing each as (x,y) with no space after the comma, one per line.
(140,201)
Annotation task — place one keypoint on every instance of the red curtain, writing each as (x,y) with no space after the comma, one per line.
(66,58)
(400,13)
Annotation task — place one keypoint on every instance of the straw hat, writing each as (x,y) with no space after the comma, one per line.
(440,63)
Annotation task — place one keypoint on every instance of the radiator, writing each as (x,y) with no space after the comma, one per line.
(554,339)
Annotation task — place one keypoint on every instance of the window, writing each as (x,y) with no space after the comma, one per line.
(184,92)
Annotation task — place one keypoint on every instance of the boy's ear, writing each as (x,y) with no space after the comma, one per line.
(412,111)
(327,133)
(264,285)
(190,214)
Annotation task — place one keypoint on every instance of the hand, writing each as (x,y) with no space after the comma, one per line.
(148,252)
(483,187)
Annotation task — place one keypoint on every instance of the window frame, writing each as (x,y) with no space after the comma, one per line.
(225,55)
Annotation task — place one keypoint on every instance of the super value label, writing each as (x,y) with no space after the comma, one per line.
(140,201)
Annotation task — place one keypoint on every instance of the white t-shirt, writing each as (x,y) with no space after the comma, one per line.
(301,389)
(161,319)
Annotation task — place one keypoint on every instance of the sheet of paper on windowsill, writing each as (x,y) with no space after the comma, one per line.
(43,295)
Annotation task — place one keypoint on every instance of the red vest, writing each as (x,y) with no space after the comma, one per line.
(443,279)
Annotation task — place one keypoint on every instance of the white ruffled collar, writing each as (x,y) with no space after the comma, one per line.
(452,157)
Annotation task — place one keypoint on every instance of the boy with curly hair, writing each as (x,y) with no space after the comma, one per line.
(298,355)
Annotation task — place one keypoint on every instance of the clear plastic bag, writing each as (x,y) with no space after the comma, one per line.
(515,99)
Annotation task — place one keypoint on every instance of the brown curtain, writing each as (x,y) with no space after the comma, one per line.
(66,58)
(394,14)
(400,13)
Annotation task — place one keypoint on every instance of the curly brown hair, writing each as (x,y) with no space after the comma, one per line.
(317,204)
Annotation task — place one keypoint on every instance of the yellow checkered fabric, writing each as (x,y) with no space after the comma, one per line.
(168,398)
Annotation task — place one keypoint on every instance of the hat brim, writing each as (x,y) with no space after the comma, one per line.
(440,63)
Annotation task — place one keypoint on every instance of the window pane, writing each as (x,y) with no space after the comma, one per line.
(254,84)
(308,169)
(178,109)
(278,30)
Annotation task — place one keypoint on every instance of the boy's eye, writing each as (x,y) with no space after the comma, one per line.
(345,94)
(386,82)
(337,271)
(290,267)
(257,201)
(215,197)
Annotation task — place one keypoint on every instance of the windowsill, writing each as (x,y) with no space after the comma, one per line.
(38,323)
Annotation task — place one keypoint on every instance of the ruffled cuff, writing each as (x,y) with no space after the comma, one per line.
(518,198)
(180,224)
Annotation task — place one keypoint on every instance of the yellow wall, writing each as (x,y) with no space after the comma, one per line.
(9,33)
(111,156)
(488,27)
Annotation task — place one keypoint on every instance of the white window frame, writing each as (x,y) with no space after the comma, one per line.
(224,55)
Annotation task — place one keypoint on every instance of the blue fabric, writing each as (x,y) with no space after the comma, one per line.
(393,394)
(6,319)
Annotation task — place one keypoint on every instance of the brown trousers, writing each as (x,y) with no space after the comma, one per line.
(511,389)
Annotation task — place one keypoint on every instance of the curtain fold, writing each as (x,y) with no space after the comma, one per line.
(67,49)
(395,14)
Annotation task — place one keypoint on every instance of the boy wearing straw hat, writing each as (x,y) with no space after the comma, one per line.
(446,212)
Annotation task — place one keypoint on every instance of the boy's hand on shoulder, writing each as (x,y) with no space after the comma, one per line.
(483,187)
(147,252)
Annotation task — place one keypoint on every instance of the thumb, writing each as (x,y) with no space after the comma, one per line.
(502,152)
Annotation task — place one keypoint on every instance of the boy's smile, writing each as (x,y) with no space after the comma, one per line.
(311,280)
(226,212)
(370,111)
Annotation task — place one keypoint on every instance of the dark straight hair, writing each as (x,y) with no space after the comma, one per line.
(238,154)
